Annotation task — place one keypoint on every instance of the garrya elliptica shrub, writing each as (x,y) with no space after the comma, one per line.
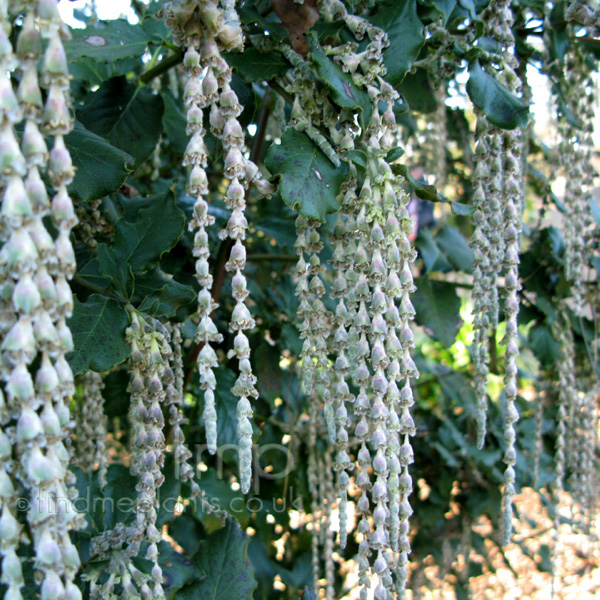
(271,267)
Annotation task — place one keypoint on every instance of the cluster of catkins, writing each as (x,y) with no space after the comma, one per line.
(204,29)
(368,334)
(156,384)
(35,302)
(495,242)
(576,150)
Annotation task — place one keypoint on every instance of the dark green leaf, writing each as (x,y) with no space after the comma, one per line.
(156,230)
(115,40)
(249,14)
(423,190)
(95,72)
(218,495)
(502,108)
(399,19)
(253,65)
(169,491)
(161,296)
(128,116)
(119,271)
(433,257)
(343,90)
(456,248)
(90,272)
(187,531)
(119,496)
(101,167)
(270,376)
(300,575)
(543,345)
(223,558)
(445,7)
(358,157)
(226,405)
(98,326)
(437,306)
(174,123)
(394,154)
(417,90)
(281,230)
(309,183)
(116,396)
(178,570)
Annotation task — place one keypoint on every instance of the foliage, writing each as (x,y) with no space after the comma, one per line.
(134,249)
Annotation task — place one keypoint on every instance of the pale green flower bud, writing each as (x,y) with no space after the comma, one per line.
(57,121)
(54,67)
(52,586)
(9,107)
(12,161)
(33,145)
(29,93)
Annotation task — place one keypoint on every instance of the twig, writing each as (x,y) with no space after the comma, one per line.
(162,67)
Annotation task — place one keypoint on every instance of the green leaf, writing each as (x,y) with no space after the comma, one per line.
(174,123)
(399,19)
(251,16)
(309,183)
(95,72)
(226,405)
(433,257)
(394,154)
(358,157)
(161,296)
(101,168)
(156,230)
(98,327)
(423,190)
(502,108)
(253,65)
(128,116)
(445,7)
(463,210)
(187,531)
(119,272)
(115,40)
(223,558)
(543,345)
(177,569)
(456,248)
(437,306)
(119,497)
(417,90)
(218,495)
(169,491)
(343,90)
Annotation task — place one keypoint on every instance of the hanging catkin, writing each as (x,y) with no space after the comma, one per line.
(37,301)
(204,31)
(512,206)
(576,148)
(91,427)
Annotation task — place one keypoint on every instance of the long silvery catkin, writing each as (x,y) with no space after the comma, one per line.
(576,147)
(512,204)
(148,365)
(205,30)
(91,427)
(481,245)
(35,268)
